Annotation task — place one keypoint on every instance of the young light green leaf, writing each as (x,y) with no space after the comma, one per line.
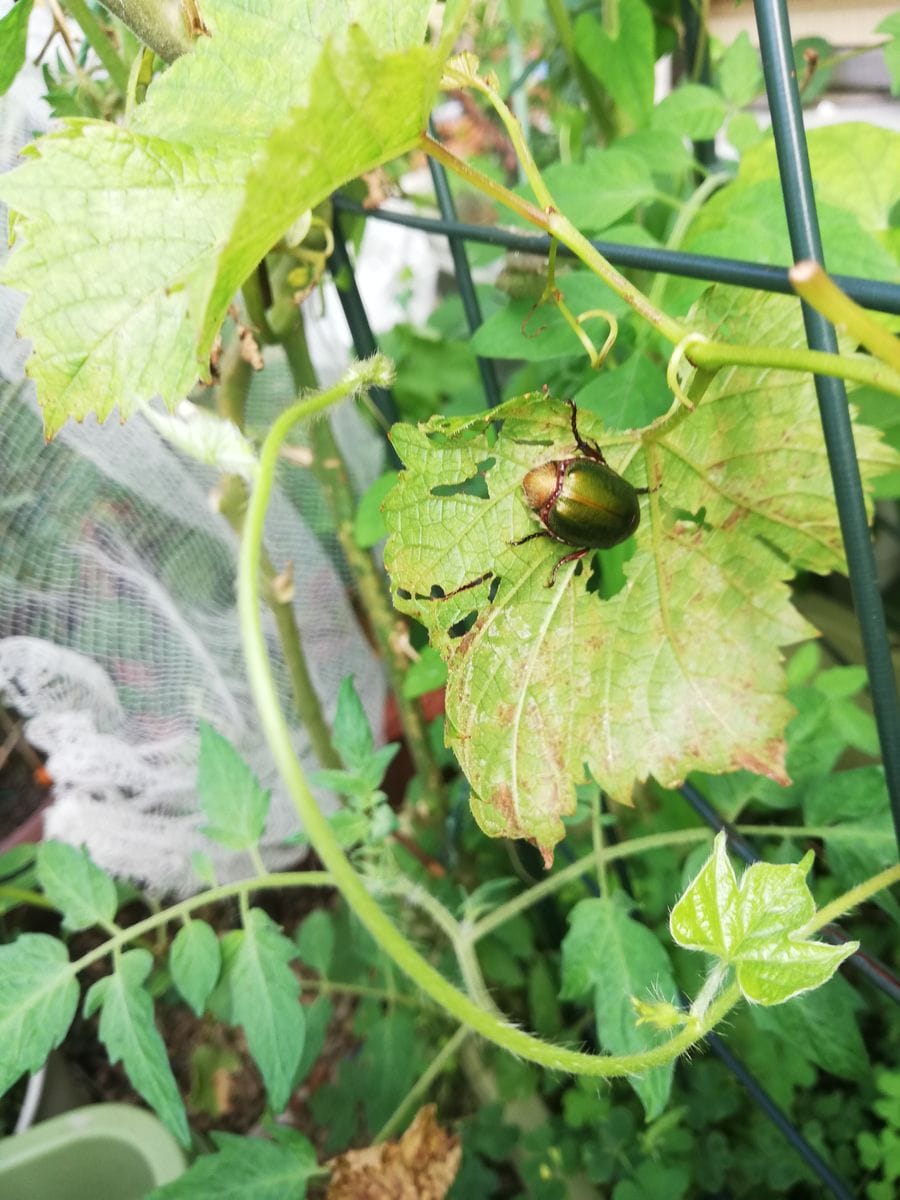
(195,961)
(633,394)
(129,1033)
(692,110)
(351,733)
(315,940)
(245,1168)
(598,191)
(621,53)
(740,71)
(757,926)
(206,437)
(549,679)
(38,998)
(368,523)
(426,674)
(519,330)
(125,296)
(611,958)
(233,801)
(13,42)
(264,995)
(83,893)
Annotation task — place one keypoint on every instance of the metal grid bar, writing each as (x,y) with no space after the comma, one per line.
(464,280)
(803,225)
(871,293)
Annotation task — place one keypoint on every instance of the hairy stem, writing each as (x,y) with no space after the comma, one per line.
(231,400)
(276,879)
(420,1088)
(168,27)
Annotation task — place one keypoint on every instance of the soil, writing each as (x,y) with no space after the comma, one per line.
(21,795)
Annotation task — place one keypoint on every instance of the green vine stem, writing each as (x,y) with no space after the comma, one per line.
(812,284)
(707,355)
(131,933)
(429,980)
(231,399)
(101,45)
(167,26)
(331,471)
(841,905)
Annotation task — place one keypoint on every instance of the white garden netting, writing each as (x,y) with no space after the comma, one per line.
(118,627)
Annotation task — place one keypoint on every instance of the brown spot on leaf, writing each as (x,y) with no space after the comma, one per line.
(769,762)
(420,1166)
(736,514)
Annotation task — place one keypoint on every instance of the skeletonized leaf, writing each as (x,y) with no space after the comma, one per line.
(679,670)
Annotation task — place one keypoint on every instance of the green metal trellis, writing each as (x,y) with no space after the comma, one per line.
(793,160)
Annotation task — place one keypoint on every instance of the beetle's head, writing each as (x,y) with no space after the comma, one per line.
(541,485)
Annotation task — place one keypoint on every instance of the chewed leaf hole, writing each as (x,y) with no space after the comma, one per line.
(462,627)
(475,485)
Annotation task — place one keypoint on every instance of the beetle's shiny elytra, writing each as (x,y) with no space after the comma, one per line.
(581,501)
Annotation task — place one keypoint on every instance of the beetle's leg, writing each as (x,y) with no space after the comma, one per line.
(590,449)
(646,491)
(573,557)
(529,537)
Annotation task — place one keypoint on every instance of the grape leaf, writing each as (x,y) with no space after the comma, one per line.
(38,998)
(131,241)
(129,1033)
(680,670)
(756,926)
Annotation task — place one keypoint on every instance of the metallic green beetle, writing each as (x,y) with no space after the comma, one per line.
(581,501)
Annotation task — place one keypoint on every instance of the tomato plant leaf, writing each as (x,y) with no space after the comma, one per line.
(680,669)
(612,958)
(756,925)
(75,885)
(233,801)
(264,994)
(131,240)
(129,1033)
(38,998)
(245,1168)
(195,962)
(13,42)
